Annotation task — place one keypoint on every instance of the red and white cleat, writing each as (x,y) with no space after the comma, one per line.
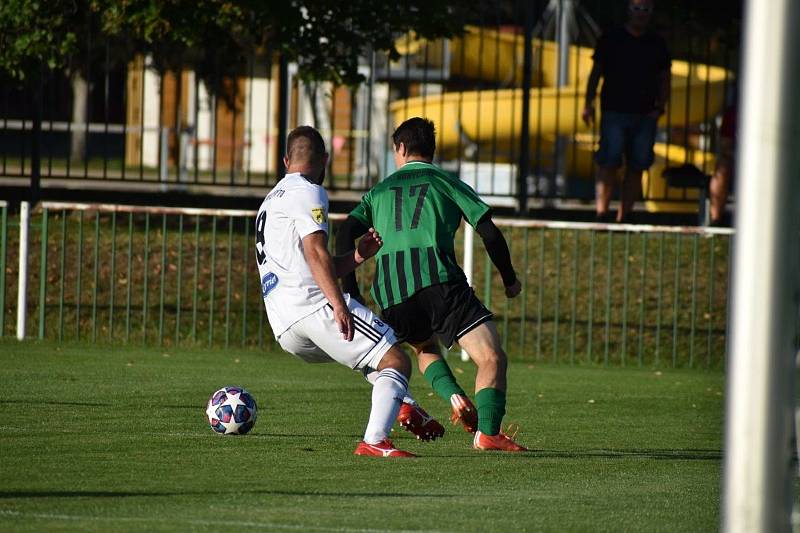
(464,412)
(501,442)
(384,448)
(414,419)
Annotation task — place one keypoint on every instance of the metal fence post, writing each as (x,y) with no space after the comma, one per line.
(22,282)
(163,148)
(469,239)
(36,144)
(524,139)
(284,92)
(43,275)
(3,239)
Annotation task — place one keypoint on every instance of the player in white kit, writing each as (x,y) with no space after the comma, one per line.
(309,315)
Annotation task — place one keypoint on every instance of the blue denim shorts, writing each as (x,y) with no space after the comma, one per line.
(630,134)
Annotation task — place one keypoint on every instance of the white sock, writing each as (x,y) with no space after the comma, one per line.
(388,390)
(371,375)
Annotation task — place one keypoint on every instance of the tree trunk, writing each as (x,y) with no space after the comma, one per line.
(80,93)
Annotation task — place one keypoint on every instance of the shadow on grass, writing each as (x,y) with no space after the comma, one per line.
(314,435)
(644,453)
(688,454)
(5,495)
(79,404)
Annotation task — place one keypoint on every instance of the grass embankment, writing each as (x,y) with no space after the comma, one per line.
(590,296)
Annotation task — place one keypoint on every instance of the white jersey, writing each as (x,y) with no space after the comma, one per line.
(293,209)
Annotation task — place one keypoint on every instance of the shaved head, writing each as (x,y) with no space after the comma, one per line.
(305,147)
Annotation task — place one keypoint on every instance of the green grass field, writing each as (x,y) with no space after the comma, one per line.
(98,438)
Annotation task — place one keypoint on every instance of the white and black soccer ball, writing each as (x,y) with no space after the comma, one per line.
(231,411)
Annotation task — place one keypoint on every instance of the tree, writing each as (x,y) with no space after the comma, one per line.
(216,37)
(35,35)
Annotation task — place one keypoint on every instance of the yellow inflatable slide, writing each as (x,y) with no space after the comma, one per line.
(491,119)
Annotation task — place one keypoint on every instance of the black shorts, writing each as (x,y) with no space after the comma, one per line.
(449,310)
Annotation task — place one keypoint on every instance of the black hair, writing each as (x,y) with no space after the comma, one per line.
(418,135)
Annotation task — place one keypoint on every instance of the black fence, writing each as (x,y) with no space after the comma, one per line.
(505,96)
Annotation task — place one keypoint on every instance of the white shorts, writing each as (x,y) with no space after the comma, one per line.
(316,338)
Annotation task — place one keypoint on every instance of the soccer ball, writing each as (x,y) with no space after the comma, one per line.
(231,411)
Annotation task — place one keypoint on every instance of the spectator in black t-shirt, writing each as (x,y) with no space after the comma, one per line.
(635,65)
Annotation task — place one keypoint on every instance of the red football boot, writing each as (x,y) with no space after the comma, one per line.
(414,419)
(500,442)
(464,412)
(384,448)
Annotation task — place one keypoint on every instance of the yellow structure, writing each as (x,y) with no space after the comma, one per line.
(492,119)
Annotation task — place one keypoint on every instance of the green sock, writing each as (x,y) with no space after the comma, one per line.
(442,380)
(491,408)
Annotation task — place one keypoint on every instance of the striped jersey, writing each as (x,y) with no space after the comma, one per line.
(417,211)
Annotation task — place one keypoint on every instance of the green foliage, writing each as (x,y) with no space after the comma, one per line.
(327,38)
(216,37)
(211,36)
(38,33)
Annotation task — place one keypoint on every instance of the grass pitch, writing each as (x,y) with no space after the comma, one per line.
(98,438)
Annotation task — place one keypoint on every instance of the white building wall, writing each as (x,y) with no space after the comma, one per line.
(205,128)
(261,127)
(151,110)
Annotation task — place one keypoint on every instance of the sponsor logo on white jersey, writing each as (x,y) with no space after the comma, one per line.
(268,282)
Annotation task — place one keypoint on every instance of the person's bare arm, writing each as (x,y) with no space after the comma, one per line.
(320,262)
(591,92)
(727,148)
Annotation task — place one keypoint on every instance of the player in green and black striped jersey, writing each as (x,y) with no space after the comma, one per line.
(419,208)
(419,285)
